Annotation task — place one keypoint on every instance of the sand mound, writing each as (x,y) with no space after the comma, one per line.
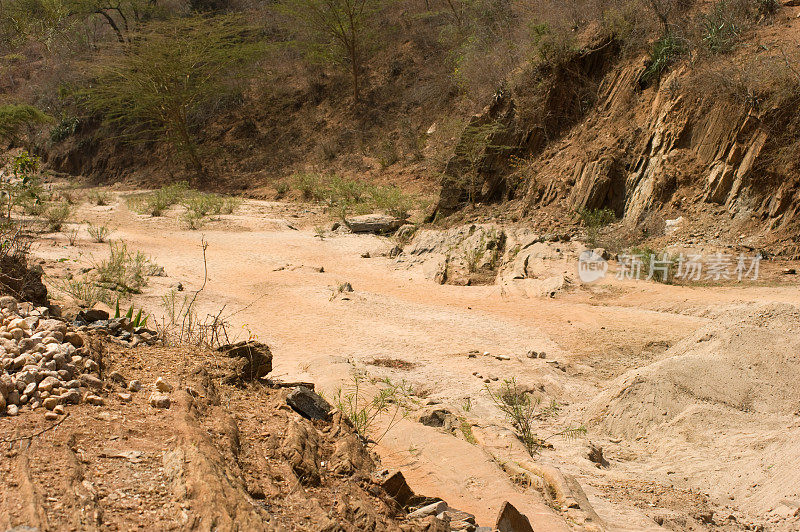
(722,408)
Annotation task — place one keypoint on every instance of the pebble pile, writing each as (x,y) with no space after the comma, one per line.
(43,363)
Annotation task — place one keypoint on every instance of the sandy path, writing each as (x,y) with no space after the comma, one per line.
(267,272)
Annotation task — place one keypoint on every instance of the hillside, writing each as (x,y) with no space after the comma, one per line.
(651,110)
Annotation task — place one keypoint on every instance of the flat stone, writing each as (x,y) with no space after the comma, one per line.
(125,397)
(95,400)
(51,416)
(308,403)
(51,402)
(431,509)
(374,223)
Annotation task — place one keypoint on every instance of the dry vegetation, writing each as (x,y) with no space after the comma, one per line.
(210,98)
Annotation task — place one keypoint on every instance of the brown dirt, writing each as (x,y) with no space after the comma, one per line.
(680,443)
(217,459)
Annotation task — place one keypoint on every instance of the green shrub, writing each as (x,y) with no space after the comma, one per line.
(594,220)
(66,127)
(156,202)
(309,184)
(522,410)
(367,400)
(14,116)
(100,197)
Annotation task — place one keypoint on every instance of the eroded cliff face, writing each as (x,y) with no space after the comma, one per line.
(637,150)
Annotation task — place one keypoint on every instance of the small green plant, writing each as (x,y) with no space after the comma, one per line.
(659,267)
(721,28)
(365,400)
(466,404)
(100,197)
(319,232)
(56,214)
(193,220)
(230,204)
(137,319)
(65,128)
(72,236)
(466,431)
(666,51)
(281,189)
(99,233)
(85,291)
(522,410)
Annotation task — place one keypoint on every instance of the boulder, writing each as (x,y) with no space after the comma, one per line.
(374,223)
(253,360)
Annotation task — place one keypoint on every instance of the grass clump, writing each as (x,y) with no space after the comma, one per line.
(658,267)
(664,53)
(345,196)
(99,233)
(56,214)
(156,202)
(309,184)
(100,197)
(522,410)
(124,271)
(85,291)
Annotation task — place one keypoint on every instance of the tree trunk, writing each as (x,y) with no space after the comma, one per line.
(111,23)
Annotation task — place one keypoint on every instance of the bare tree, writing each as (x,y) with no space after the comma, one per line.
(339,31)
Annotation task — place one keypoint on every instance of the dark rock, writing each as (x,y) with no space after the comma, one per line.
(308,404)
(510,520)
(397,488)
(92,315)
(253,360)
(596,455)
(438,417)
